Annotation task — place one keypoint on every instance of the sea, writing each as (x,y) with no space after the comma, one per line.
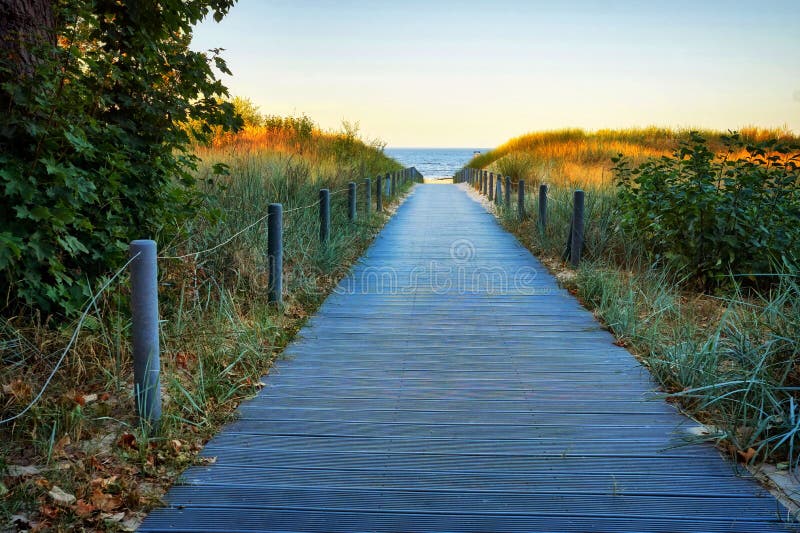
(434,163)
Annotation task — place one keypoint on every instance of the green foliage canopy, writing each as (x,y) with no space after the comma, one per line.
(92,148)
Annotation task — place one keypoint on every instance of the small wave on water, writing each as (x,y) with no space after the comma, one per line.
(434,163)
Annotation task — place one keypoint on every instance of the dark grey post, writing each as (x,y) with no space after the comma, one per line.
(351,200)
(497,193)
(388,183)
(324,215)
(508,191)
(577,228)
(146,352)
(485,182)
(491,186)
(394,184)
(521,199)
(275,253)
(368,195)
(542,206)
(379,194)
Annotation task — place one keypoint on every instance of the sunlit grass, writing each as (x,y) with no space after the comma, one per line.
(574,156)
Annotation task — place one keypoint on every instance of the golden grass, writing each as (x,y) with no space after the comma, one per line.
(569,156)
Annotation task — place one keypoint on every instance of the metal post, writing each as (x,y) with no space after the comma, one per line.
(491,186)
(379,194)
(275,253)
(351,200)
(368,195)
(542,206)
(508,191)
(577,228)
(324,215)
(521,199)
(146,352)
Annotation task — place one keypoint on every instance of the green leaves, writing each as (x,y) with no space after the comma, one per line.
(92,153)
(711,216)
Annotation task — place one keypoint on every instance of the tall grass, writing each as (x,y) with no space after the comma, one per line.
(731,359)
(219,334)
(574,156)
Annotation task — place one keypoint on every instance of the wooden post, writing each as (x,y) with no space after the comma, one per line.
(379,194)
(508,192)
(577,228)
(542,206)
(394,184)
(521,199)
(144,332)
(498,190)
(351,200)
(324,216)
(367,196)
(275,253)
(491,186)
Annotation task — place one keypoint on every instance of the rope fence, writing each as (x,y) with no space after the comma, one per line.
(142,266)
(493,186)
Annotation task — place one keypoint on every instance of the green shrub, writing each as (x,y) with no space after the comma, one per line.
(712,216)
(92,148)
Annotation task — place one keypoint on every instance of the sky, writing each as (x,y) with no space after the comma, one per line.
(416,73)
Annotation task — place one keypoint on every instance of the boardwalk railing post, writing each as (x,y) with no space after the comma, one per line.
(491,186)
(351,200)
(324,216)
(394,184)
(577,228)
(275,253)
(379,194)
(508,192)
(367,196)
(542,206)
(146,351)
(498,196)
(521,199)
(388,186)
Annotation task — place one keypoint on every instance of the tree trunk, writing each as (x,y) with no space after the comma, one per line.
(25,26)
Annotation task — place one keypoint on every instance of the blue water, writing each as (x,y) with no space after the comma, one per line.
(434,163)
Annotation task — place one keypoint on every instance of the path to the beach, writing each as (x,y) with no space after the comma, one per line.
(450,385)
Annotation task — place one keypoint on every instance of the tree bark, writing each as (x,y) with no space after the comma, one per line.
(25,27)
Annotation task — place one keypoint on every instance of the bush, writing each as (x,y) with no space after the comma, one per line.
(92,148)
(712,216)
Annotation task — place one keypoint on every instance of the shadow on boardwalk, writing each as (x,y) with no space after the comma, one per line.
(449,385)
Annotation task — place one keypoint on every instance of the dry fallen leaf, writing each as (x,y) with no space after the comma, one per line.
(746,456)
(58,448)
(22,471)
(176,445)
(114,517)
(19,389)
(60,496)
(84,509)
(126,440)
(105,502)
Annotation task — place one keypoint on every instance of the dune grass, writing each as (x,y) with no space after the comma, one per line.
(575,156)
(730,358)
(219,335)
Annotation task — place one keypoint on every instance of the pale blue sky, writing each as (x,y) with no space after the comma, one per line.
(474,73)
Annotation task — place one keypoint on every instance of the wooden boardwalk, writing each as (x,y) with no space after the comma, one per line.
(450,385)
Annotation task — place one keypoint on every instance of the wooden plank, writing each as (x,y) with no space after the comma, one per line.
(449,384)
